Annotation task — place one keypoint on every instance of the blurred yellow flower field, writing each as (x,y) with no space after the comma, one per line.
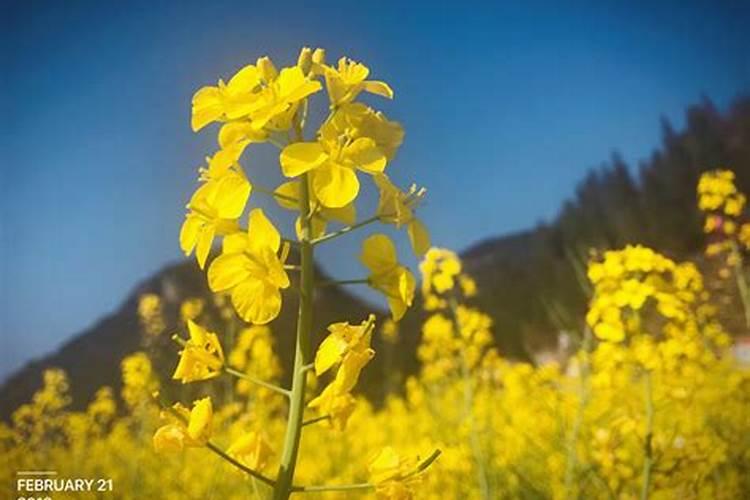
(649,404)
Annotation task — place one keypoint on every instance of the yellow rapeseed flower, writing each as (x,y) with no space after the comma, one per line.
(348,142)
(252,269)
(257,94)
(397,207)
(387,276)
(214,210)
(348,79)
(201,358)
(251,449)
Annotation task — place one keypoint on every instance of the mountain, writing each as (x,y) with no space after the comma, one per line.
(92,358)
(532,283)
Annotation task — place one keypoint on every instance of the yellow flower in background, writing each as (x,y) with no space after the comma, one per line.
(251,268)
(251,449)
(394,490)
(213,210)
(440,270)
(744,236)
(151,313)
(387,276)
(718,193)
(630,284)
(259,94)
(191,308)
(348,79)
(397,207)
(201,358)
(390,331)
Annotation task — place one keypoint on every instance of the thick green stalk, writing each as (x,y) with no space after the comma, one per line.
(285,477)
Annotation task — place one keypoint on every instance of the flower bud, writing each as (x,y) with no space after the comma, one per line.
(319,56)
(267,69)
(304,61)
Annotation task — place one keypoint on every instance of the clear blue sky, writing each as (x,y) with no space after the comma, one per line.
(505,106)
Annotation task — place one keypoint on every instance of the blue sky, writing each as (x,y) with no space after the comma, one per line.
(505,106)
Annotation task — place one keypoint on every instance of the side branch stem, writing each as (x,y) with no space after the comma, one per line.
(254,380)
(343,231)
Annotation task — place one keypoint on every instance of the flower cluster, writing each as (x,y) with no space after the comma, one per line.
(264,104)
(727,228)
(636,287)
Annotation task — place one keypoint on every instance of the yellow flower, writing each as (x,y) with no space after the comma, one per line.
(343,340)
(287,196)
(251,268)
(389,331)
(346,143)
(744,236)
(337,406)
(348,79)
(258,93)
(386,464)
(169,438)
(718,193)
(201,421)
(191,308)
(252,449)
(394,490)
(397,207)
(176,436)
(214,209)
(387,276)
(388,471)
(201,358)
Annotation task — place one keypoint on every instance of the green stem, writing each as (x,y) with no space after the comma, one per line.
(288,463)
(257,475)
(421,467)
(648,445)
(360,281)
(572,461)
(262,383)
(340,487)
(468,388)
(218,451)
(739,272)
(316,420)
(344,230)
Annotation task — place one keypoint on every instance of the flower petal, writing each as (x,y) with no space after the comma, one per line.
(379,254)
(363,153)
(419,237)
(227,271)
(262,233)
(335,186)
(300,157)
(256,301)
